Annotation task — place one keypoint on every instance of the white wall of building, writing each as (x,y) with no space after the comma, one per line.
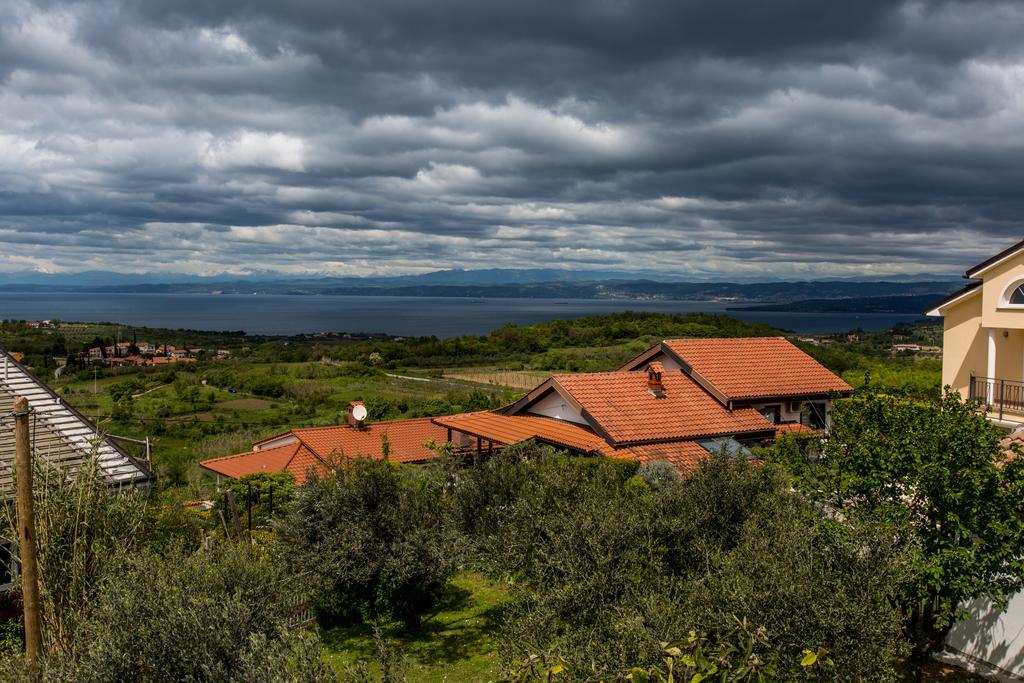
(787,415)
(991,636)
(555,405)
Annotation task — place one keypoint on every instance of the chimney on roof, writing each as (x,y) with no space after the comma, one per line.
(654,383)
(356,416)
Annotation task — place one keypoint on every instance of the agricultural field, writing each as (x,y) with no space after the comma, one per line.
(523,380)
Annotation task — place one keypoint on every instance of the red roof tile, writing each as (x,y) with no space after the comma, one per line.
(406,438)
(319,447)
(621,405)
(510,429)
(684,456)
(756,367)
(793,428)
(292,457)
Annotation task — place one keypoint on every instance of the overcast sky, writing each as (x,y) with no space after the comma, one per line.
(784,138)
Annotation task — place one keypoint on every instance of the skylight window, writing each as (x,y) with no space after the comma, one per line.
(726,445)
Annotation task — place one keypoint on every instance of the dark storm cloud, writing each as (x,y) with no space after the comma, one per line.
(710,137)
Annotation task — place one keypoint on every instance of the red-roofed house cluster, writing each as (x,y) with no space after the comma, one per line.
(144,353)
(677,402)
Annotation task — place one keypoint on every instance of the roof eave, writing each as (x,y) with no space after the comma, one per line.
(994,261)
(954,298)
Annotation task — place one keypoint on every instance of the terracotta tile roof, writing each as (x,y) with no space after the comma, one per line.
(793,428)
(292,457)
(621,405)
(1012,445)
(405,437)
(510,429)
(756,367)
(684,456)
(319,447)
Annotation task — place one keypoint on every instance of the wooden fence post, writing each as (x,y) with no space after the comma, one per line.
(27,536)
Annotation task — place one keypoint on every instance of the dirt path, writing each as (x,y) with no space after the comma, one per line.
(143,393)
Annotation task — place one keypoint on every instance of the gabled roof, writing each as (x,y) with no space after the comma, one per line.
(62,435)
(958,295)
(510,429)
(300,449)
(406,439)
(622,408)
(988,263)
(747,368)
(292,457)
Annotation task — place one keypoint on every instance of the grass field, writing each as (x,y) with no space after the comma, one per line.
(458,643)
(513,379)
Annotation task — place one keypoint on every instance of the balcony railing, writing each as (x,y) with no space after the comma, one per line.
(1004,395)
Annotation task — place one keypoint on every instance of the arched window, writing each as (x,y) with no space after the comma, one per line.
(1017,295)
(1014,294)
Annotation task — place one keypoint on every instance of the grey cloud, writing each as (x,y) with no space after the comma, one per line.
(709,136)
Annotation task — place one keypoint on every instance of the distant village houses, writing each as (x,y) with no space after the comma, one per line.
(129,354)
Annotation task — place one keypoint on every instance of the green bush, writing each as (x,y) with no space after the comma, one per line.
(208,616)
(606,567)
(373,536)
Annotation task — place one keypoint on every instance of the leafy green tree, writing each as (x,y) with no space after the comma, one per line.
(936,470)
(123,409)
(374,538)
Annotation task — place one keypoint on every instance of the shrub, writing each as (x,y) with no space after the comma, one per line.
(74,556)
(374,537)
(606,567)
(658,474)
(208,616)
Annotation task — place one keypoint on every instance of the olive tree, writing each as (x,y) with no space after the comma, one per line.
(374,539)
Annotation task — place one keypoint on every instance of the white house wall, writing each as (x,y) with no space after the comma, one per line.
(787,415)
(280,441)
(667,362)
(556,406)
(992,637)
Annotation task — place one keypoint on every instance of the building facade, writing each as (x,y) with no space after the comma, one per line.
(983,336)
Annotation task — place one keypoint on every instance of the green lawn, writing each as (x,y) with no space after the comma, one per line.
(458,643)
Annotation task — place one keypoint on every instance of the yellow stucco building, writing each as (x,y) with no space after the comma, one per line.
(983,336)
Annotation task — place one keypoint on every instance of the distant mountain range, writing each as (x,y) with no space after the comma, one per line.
(820,295)
(909,303)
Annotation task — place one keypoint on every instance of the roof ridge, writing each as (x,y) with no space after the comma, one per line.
(299,445)
(345,426)
(243,454)
(698,339)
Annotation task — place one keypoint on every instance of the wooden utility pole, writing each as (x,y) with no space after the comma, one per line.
(27,535)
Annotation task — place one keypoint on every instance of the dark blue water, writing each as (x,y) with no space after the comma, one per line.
(441,316)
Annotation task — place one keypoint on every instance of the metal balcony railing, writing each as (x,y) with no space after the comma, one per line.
(1004,395)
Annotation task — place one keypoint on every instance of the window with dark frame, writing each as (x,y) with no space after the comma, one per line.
(772,413)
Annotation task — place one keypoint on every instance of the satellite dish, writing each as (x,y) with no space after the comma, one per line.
(359,412)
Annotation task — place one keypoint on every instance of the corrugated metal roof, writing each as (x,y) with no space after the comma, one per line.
(62,436)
